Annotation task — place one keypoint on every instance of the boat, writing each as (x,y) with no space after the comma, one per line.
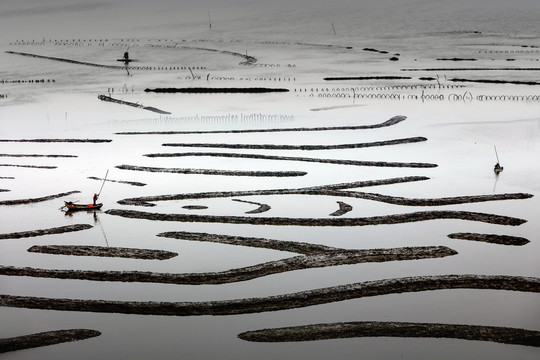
(497,168)
(74,207)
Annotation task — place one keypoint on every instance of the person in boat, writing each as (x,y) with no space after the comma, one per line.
(95,198)
(126,56)
(497,167)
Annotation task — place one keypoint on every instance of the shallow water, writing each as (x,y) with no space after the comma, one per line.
(461,134)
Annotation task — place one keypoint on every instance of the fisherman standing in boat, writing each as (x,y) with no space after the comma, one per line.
(95,198)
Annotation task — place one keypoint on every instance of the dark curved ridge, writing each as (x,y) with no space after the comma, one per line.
(260,209)
(343,209)
(491,238)
(393,121)
(303,159)
(45,339)
(81,250)
(361,221)
(336,190)
(66,60)
(486,81)
(145,201)
(58,140)
(29,166)
(302,262)
(301,147)
(38,155)
(55,230)
(475,69)
(368,78)
(134,183)
(279,245)
(197,90)
(282,302)
(344,330)
(34,200)
(212,171)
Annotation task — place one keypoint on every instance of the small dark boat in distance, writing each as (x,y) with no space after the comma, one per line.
(74,207)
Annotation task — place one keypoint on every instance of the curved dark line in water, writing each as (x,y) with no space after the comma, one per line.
(58,140)
(393,121)
(345,330)
(302,262)
(39,155)
(29,166)
(81,250)
(212,171)
(45,339)
(491,238)
(34,200)
(301,147)
(361,221)
(56,230)
(281,302)
(279,245)
(262,207)
(205,90)
(294,158)
(343,209)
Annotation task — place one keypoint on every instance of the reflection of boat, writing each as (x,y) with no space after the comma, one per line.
(75,207)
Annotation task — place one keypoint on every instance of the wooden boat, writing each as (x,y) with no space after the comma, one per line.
(498,169)
(74,207)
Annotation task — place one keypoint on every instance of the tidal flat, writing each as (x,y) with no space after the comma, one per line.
(306,181)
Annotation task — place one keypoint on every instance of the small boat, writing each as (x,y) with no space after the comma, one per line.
(73,207)
(497,168)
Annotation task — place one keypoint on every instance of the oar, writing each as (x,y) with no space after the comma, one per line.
(99,193)
(496,154)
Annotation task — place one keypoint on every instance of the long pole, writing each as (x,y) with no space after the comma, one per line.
(103,182)
(496,153)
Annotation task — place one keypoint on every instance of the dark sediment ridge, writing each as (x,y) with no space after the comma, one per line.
(393,121)
(58,140)
(55,230)
(134,183)
(486,81)
(491,238)
(67,60)
(302,262)
(334,190)
(4,190)
(362,221)
(261,207)
(282,302)
(38,155)
(344,330)
(34,200)
(78,250)
(195,207)
(367,78)
(457,59)
(301,147)
(198,90)
(137,105)
(304,159)
(45,339)
(475,69)
(212,171)
(343,209)
(279,245)
(29,166)
(146,201)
